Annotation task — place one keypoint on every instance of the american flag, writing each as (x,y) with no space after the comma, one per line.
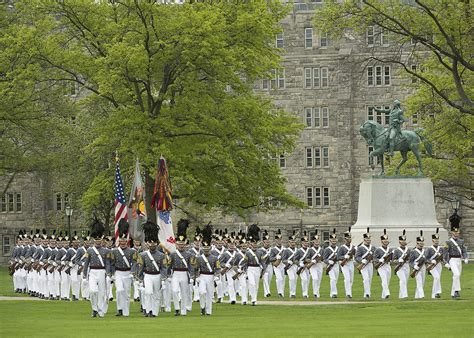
(120,205)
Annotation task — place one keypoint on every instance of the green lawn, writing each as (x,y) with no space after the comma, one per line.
(374,318)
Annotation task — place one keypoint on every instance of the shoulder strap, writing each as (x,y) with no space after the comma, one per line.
(182,258)
(98,255)
(123,256)
(152,260)
(457,245)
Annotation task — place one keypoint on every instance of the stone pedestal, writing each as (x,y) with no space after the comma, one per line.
(396,204)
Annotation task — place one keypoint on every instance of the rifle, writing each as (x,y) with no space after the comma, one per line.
(386,259)
(414,272)
(237,275)
(431,266)
(400,264)
(51,270)
(330,266)
(79,271)
(351,254)
(362,265)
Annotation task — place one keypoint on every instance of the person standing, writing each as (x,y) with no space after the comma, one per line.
(251,264)
(454,252)
(291,266)
(401,256)
(315,264)
(382,258)
(364,256)
(345,256)
(264,254)
(195,250)
(434,257)
(332,264)
(277,263)
(302,271)
(417,262)
(228,264)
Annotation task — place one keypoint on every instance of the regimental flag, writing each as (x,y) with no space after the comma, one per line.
(136,206)
(162,201)
(120,205)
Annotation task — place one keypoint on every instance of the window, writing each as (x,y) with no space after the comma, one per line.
(282,161)
(317,117)
(325,150)
(18,202)
(326,235)
(370,76)
(61,201)
(384,38)
(265,84)
(11,202)
(326,197)
(323,40)
(413,78)
(3,203)
(308,112)
(316,77)
(378,76)
(6,245)
(386,75)
(370,34)
(378,117)
(307,78)
(317,197)
(370,113)
(279,40)
(281,78)
(325,117)
(309,157)
(309,196)
(273,81)
(317,157)
(324,77)
(308,38)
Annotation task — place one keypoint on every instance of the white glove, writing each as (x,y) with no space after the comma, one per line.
(346,256)
(239,270)
(163,285)
(400,260)
(191,281)
(364,261)
(331,262)
(227,265)
(278,257)
(466,261)
(381,260)
(313,261)
(290,262)
(416,267)
(433,261)
(217,279)
(447,266)
(301,264)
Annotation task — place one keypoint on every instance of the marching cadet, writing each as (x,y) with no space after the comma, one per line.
(218,250)
(109,244)
(96,269)
(364,256)
(417,262)
(61,257)
(241,275)
(79,261)
(402,269)
(291,267)
(302,271)
(195,250)
(23,255)
(31,274)
(72,268)
(278,266)
(152,270)
(454,252)
(180,264)
(136,284)
(332,265)
(382,258)
(434,257)
(227,262)
(251,264)
(264,254)
(315,265)
(15,260)
(122,266)
(208,272)
(345,256)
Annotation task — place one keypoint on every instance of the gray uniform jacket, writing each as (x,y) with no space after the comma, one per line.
(288,254)
(434,253)
(401,253)
(146,265)
(451,250)
(212,267)
(330,253)
(380,253)
(417,257)
(178,264)
(315,253)
(276,251)
(361,252)
(264,256)
(122,263)
(92,260)
(251,259)
(343,250)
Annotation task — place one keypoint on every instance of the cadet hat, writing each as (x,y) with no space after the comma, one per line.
(265,236)
(455,219)
(53,235)
(435,235)
(304,238)
(207,237)
(225,234)
(293,236)
(316,236)
(333,235)
(253,233)
(367,234)
(66,237)
(122,228)
(20,235)
(37,235)
(403,237)
(347,234)
(60,237)
(198,234)
(97,229)
(278,234)
(384,237)
(420,238)
(75,237)
(181,231)
(151,232)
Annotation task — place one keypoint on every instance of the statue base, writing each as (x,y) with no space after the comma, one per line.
(395,204)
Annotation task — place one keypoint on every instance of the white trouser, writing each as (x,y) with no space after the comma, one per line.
(403,274)
(280,278)
(166,295)
(43,282)
(109,287)
(333,277)
(304,275)
(51,277)
(180,290)
(267,279)
(367,274)
(348,273)
(136,289)
(220,290)
(195,291)
(30,281)
(152,293)
(420,282)
(436,273)
(85,290)
(316,272)
(243,287)
(98,291)
(231,285)
(292,278)
(15,280)
(385,273)
(123,284)
(456,269)
(75,281)
(65,284)
(253,274)
(206,292)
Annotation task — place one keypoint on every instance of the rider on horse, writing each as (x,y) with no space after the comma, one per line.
(395,123)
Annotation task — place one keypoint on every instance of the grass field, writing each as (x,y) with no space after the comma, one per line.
(374,318)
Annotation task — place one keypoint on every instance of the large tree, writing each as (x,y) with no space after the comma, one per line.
(172,80)
(432,42)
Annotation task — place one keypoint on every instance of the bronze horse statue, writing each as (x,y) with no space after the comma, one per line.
(377,136)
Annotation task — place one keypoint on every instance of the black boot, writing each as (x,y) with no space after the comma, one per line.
(176,313)
(203,311)
(94,314)
(119,313)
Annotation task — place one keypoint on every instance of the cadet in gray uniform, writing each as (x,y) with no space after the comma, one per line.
(152,271)
(208,272)
(96,269)
(382,259)
(417,262)
(332,264)
(195,250)
(251,264)
(345,256)
(277,262)
(71,268)
(218,250)
(434,267)
(287,257)
(402,269)
(122,266)
(227,262)
(302,271)
(315,265)
(364,256)
(264,254)
(454,252)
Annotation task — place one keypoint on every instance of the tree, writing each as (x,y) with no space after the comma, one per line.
(174,80)
(432,43)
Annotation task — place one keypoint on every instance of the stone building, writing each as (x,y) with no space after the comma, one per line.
(332,90)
